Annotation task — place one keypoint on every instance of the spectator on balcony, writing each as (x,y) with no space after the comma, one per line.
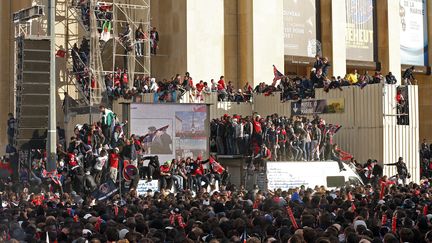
(187,83)
(378,78)
(214,86)
(206,89)
(199,87)
(325,66)
(343,81)
(317,78)
(247,88)
(318,64)
(353,77)
(239,96)
(259,88)
(390,78)
(365,78)
(408,75)
(221,89)
(334,84)
(154,41)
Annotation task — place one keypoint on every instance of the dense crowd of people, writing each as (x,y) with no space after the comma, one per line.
(289,87)
(90,199)
(384,213)
(276,138)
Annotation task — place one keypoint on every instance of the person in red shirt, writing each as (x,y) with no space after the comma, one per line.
(124,79)
(221,83)
(257,130)
(165,173)
(199,90)
(221,89)
(114,163)
(198,174)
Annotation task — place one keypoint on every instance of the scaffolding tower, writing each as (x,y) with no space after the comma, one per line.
(109,28)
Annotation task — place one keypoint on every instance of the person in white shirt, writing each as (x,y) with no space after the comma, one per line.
(100,164)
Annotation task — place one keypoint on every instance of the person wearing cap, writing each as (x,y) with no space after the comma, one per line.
(402,170)
(162,142)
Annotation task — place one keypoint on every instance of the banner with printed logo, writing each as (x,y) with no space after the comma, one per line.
(300,28)
(360,30)
(413,32)
(310,107)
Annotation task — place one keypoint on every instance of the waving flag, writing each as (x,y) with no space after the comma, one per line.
(277,75)
(106,31)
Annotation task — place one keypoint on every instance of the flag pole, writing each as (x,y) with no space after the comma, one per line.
(52,119)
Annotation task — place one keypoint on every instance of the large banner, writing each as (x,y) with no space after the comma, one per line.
(171,130)
(310,107)
(360,30)
(300,29)
(413,32)
(309,174)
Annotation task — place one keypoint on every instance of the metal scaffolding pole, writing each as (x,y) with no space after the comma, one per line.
(52,126)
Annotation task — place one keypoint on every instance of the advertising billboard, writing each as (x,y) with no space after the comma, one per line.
(309,107)
(300,28)
(413,32)
(171,130)
(360,30)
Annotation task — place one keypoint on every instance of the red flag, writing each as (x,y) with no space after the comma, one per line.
(425,210)
(292,218)
(98,224)
(277,75)
(382,191)
(384,219)
(394,223)
(116,210)
(353,207)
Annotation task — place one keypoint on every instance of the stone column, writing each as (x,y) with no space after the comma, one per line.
(388,29)
(333,29)
(338,28)
(191,38)
(205,39)
(261,40)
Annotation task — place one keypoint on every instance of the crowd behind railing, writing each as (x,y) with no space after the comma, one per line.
(290,87)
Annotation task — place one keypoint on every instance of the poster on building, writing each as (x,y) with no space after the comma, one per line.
(171,130)
(310,107)
(413,32)
(300,28)
(360,30)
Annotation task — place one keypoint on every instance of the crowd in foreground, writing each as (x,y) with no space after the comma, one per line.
(63,206)
(385,213)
